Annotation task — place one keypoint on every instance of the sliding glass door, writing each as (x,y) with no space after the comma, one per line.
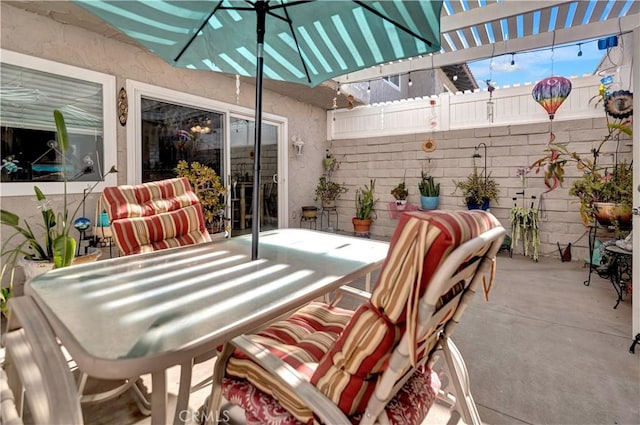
(241,149)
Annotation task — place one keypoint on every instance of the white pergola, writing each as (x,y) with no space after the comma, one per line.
(479,29)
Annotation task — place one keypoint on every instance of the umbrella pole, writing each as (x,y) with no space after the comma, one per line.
(261,13)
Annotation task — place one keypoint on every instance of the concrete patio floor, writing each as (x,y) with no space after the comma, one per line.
(545,349)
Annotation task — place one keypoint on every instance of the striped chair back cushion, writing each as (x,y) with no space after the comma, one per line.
(348,373)
(155,215)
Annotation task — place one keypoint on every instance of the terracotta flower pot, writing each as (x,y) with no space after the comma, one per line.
(361,227)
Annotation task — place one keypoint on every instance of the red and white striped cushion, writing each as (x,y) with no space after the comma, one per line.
(155,215)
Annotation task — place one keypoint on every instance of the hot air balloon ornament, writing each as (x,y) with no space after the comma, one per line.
(550,93)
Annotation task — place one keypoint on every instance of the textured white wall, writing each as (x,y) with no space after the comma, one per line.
(386,159)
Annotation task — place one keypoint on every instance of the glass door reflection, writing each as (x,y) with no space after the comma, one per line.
(241,176)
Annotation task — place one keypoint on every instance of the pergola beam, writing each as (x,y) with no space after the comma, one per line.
(532,42)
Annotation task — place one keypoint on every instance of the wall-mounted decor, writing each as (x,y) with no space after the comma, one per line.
(123,106)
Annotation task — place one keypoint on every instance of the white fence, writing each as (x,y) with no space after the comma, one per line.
(511,106)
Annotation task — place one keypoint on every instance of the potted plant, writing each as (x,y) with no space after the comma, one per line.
(429,192)
(478,191)
(400,193)
(365,214)
(57,248)
(206,183)
(606,195)
(611,184)
(328,191)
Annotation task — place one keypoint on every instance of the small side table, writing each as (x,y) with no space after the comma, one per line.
(620,275)
(329,212)
(310,221)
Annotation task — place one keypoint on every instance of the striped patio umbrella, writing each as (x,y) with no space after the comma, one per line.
(300,41)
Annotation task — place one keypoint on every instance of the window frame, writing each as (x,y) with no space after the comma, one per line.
(110,152)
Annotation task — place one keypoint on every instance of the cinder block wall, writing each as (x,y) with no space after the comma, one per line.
(388,159)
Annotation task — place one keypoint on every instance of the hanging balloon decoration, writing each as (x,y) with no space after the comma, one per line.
(550,93)
(181,139)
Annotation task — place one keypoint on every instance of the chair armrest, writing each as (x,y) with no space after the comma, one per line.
(324,408)
(350,291)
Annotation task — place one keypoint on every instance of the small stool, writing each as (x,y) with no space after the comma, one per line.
(329,211)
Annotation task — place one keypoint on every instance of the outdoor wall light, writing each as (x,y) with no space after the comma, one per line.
(298,144)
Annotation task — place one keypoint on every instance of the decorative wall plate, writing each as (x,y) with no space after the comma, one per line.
(123,106)
(429,145)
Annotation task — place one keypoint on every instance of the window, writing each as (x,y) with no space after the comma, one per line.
(393,80)
(30,90)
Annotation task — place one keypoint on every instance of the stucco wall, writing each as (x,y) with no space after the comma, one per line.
(35,35)
(386,159)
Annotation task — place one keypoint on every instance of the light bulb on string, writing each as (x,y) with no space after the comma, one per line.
(338,91)
(410,83)
(369,87)
(455,77)
(513,60)
(579,49)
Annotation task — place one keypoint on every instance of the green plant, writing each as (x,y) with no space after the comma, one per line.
(206,183)
(57,245)
(365,201)
(327,190)
(476,189)
(428,186)
(400,192)
(615,185)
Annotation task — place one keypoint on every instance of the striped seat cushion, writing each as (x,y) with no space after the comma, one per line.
(155,215)
(422,241)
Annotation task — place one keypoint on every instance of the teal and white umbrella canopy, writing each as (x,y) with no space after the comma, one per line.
(305,42)
(299,41)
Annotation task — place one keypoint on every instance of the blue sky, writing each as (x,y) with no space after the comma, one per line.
(534,66)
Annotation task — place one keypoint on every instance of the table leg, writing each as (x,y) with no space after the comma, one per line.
(183,393)
(159,398)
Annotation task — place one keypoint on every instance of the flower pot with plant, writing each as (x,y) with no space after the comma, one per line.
(612,184)
(606,195)
(206,183)
(328,191)
(365,213)
(57,246)
(429,192)
(400,193)
(478,191)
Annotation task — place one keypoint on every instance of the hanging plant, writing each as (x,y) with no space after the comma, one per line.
(524,225)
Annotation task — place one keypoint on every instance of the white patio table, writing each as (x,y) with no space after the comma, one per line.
(128,316)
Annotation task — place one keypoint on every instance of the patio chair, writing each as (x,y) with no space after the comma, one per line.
(36,370)
(376,364)
(155,215)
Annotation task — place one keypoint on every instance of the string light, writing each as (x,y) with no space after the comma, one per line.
(338,91)
(579,49)
(410,82)
(369,87)
(513,60)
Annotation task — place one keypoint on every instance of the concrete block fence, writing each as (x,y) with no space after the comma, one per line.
(387,159)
